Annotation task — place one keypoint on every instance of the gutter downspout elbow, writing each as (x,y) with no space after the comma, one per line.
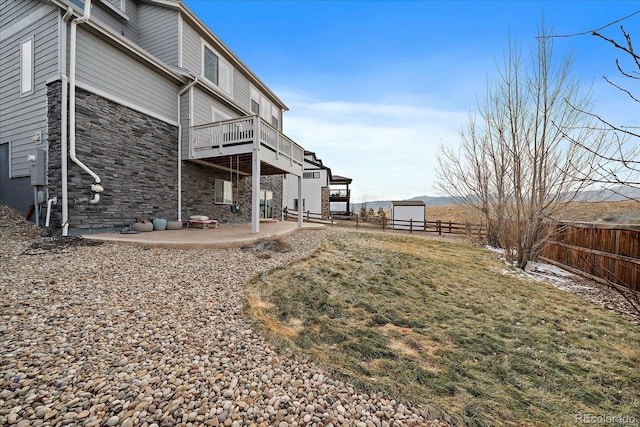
(72,97)
(180,93)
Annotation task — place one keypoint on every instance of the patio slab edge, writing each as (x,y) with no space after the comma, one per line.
(192,240)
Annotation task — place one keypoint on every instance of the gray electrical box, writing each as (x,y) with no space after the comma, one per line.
(38,167)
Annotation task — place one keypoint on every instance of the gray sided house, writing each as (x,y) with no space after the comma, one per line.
(116,109)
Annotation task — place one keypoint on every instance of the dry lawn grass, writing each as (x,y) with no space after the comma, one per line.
(623,212)
(437,324)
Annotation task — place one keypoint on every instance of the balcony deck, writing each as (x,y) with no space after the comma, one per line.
(236,139)
(339,195)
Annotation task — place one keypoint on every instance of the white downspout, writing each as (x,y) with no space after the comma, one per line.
(63,125)
(96,188)
(182,91)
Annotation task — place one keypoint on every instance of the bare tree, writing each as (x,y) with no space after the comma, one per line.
(619,166)
(516,152)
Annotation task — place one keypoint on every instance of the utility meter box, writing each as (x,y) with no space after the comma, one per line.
(38,167)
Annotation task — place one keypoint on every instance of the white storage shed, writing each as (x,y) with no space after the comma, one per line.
(408,215)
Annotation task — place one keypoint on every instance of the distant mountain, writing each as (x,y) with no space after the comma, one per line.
(428,200)
(437,201)
(613,194)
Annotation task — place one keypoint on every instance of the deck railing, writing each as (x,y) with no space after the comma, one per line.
(224,133)
(339,193)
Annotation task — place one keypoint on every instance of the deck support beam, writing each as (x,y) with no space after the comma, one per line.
(255,191)
(300,201)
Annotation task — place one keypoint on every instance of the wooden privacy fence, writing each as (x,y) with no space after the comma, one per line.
(605,254)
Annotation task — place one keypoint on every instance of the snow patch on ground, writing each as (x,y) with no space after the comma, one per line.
(564,280)
(541,272)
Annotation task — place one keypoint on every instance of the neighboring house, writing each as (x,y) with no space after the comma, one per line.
(317,192)
(408,214)
(158,116)
(340,195)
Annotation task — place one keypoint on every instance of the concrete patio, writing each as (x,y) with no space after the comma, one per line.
(227,236)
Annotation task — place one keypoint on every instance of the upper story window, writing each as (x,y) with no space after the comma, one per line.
(216,70)
(26,67)
(255,107)
(255,101)
(311,175)
(261,106)
(275,118)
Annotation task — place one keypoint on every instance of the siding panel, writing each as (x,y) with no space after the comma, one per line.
(13,11)
(158,32)
(191,49)
(22,117)
(241,90)
(186,124)
(119,25)
(202,103)
(128,79)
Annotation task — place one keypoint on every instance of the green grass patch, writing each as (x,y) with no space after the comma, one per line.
(438,324)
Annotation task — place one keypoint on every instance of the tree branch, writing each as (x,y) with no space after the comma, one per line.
(620,88)
(617,45)
(589,31)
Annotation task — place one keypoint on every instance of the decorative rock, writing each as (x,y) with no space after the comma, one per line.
(142,226)
(174,225)
(113,421)
(159,341)
(12,418)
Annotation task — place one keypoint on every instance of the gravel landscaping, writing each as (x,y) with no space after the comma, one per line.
(96,335)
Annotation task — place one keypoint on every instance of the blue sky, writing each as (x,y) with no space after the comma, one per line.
(374,87)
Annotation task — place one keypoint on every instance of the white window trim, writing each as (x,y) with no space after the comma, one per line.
(254,97)
(224,192)
(263,104)
(180,40)
(221,61)
(118,11)
(214,111)
(276,116)
(31,71)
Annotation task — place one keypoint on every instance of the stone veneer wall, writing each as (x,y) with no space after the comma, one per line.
(133,154)
(324,200)
(198,191)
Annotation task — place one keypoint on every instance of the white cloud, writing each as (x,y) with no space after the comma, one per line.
(388,149)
